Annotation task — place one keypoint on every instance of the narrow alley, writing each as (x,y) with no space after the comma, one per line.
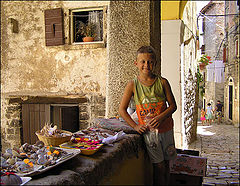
(220,145)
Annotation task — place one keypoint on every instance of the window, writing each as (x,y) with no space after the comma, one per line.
(203,49)
(203,24)
(91,17)
(226,54)
(236,48)
(236,95)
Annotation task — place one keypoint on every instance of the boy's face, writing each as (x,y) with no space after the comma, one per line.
(145,63)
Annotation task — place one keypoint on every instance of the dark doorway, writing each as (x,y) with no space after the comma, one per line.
(204,104)
(230,101)
(70,119)
(65,117)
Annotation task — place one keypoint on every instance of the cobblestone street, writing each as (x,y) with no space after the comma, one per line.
(220,145)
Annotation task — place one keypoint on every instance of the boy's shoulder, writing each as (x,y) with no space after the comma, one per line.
(131,81)
(130,87)
(163,80)
(130,84)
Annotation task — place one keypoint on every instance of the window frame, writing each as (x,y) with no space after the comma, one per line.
(71,30)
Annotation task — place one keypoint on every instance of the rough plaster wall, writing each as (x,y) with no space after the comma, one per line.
(127,32)
(28,65)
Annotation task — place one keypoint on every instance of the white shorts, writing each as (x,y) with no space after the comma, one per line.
(160,146)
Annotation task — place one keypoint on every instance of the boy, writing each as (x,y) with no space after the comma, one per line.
(150,95)
(219,111)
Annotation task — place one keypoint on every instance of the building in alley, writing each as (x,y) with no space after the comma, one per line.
(212,33)
(231,57)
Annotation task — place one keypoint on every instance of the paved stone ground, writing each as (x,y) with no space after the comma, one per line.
(220,145)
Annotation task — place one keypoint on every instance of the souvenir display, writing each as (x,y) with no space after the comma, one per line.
(88,140)
(53,136)
(34,159)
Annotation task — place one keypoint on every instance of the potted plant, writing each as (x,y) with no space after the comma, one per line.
(86,31)
(204,61)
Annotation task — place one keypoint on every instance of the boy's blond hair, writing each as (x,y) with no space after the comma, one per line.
(147,49)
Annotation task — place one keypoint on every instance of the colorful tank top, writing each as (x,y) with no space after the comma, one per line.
(151,101)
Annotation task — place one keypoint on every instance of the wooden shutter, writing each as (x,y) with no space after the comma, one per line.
(34,117)
(54,34)
(236,48)
(224,55)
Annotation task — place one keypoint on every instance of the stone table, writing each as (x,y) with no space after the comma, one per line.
(126,162)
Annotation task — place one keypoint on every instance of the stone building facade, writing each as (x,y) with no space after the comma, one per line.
(33,73)
(232,70)
(213,34)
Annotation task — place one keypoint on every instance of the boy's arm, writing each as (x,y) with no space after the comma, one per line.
(155,122)
(128,92)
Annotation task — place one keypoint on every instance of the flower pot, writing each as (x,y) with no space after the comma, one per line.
(202,66)
(88,39)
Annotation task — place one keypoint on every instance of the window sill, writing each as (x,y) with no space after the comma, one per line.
(86,45)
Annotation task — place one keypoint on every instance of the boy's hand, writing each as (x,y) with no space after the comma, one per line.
(141,128)
(155,122)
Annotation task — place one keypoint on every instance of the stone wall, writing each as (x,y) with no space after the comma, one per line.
(232,70)
(190,96)
(190,107)
(91,106)
(11,131)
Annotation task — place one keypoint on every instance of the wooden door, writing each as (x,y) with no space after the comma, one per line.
(230,101)
(34,116)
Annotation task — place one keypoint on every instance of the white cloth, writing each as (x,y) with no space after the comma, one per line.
(219,72)
(215,72)
(210,72)
(111,139)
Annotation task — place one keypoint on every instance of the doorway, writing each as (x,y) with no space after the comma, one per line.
(230,101)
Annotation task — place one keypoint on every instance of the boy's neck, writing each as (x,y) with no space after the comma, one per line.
(148,77)
(147,80)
